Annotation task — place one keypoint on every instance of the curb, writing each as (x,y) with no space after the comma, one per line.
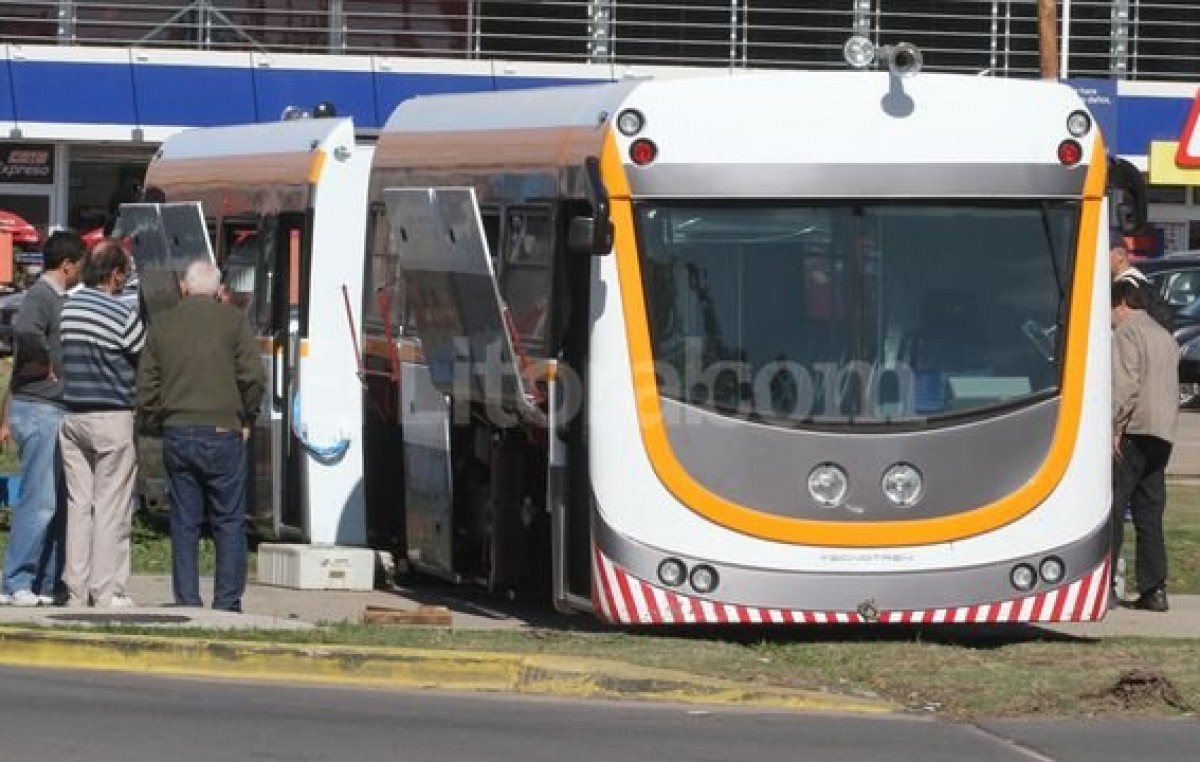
(366,666)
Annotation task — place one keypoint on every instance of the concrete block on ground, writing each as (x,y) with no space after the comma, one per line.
(316,567)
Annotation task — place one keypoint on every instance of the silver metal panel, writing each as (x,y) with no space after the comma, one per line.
(993,180)
(454,298)
(164,238)
(266,447)
(428,479)
(766,467)
(557,497)
(581,105)
(817,591)
(556,502)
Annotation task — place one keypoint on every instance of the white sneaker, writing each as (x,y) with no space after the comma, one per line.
(26,599)
(121,602)
(5,599)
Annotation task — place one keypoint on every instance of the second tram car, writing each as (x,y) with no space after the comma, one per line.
(775,347)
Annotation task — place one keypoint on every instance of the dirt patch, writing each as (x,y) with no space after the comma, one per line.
(1137,690)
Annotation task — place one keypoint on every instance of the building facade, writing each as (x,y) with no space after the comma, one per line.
(89,89)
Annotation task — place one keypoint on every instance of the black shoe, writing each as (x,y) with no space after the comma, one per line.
(1151,600)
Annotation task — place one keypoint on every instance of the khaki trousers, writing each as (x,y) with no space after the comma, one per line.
(100,465)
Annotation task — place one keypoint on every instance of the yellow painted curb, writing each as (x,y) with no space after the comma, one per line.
(401,668)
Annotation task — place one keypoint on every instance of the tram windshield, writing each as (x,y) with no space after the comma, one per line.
(867,313)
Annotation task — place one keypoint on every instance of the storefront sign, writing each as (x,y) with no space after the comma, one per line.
(27,163)
(1165,169)
(1188,153)
(1178,162)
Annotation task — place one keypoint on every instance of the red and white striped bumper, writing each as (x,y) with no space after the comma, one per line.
(620,598)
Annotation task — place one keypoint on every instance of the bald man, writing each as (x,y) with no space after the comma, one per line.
(201,380)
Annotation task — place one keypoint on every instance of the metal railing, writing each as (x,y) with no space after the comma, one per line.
(1124,39)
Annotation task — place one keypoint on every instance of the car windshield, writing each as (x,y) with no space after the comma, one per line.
(856,313)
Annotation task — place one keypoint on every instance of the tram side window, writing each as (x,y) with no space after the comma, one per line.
(384,289)
(240,267)
(490,217)
(525,275)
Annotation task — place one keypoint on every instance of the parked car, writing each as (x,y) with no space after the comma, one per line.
(9,304)
(1177,278)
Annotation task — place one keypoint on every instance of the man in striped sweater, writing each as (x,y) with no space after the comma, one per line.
(101,339)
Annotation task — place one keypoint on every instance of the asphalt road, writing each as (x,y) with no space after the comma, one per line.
(59,716)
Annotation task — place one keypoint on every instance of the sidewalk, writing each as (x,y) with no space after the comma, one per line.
(271,608)
(279,608)
(39,637)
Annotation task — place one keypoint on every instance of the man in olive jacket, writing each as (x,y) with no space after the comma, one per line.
(201,380)
(1145,407)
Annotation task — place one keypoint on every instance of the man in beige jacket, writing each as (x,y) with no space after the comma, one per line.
(1145,406)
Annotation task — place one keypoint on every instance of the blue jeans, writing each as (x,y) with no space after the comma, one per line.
(206,472)
(35,547)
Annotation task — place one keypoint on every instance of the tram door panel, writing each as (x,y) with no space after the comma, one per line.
(262,270)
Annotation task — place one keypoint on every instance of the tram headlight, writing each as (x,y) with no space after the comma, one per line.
(1052,569)
(704,579)
(672,572)
(859,52)
(1023,577)
(828,484)
(630,122)
(903,485)
(1079,123)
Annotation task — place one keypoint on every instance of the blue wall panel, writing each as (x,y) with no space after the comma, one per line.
(1141,120)
(6,102)
(149,94)
(393,88)
(82,93)
(196,96)
(351,92)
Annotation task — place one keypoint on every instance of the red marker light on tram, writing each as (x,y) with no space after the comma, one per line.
(1070,152)
(642,151)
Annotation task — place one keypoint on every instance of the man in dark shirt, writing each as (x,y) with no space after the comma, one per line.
(1145,410)
(32,415)
(201,380)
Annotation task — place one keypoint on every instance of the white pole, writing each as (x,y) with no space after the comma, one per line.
(1066,39)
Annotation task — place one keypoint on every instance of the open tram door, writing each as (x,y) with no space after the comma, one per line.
(162,239)
(262,271)
(468,408)
(261,275)
(487,375)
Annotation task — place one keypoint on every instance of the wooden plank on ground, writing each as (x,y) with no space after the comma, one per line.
(436,615)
